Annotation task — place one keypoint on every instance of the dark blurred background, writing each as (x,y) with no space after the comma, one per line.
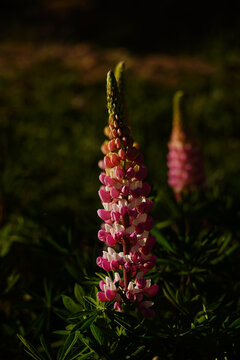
(166,26)
(54,56)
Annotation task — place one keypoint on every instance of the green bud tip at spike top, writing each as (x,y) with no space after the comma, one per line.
(185,161)
(120,77)
(177,107)
(114,105)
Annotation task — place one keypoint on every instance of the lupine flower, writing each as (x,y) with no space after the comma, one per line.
(185,160)
(125,213)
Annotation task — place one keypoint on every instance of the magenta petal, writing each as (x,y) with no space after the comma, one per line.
(151,291)
(136,193)
(142,173)
(125,190)
(149,223)
(101,297)
(115,216)
(146,188)
(101,285)
(102,235)
(114,193)
(119,173)
(110,240)
(130,172)
(104,214)
(102,177)
(106,265)
(114,265)
(109,181)
(117,306)
(140,228)
(110,294)
(147,312)
(141,283)
(104,196)
(99,261)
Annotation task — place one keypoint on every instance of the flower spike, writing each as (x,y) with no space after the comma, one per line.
(185,160)
(125,213)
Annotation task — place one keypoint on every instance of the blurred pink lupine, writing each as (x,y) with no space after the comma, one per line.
(185,160)
(125,213)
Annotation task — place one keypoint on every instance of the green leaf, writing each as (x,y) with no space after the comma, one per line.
(97,333)
(164,224)
(225,243)
(31,350)
(42,340)
(79,294)
(81,356)
(235,324)
(85,341)
(90,300)
(86,356)
(69,343)
(88,322)
(79,353)
(80,314)
(56,245)
(162,241)
(70,304)
(72,271)
(173,298)
(62,332)
(138,351)
(11,281)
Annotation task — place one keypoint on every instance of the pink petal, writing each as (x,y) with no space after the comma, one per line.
(101,285)
(117,306)
(102,235)
(102,177)
(114,193)
(104,214)
(101,297)
(110,241)
(110,294)
(146,188)
(106,265)
(104,195)
(119,173)
(151,291)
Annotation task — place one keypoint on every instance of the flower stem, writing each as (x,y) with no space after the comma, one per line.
(126,249)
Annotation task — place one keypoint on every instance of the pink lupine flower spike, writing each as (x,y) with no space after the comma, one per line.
(185,160)
(125,213)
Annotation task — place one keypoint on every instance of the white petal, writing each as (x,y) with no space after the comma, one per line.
(130,286)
